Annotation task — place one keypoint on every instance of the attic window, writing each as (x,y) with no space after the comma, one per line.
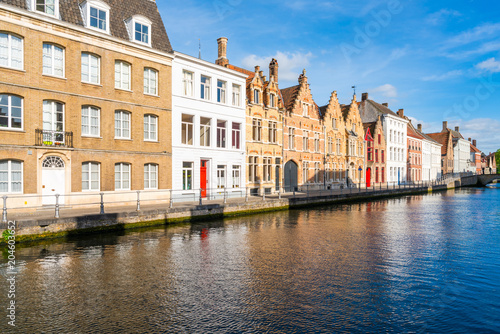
(139,28)
(49,7)
(96,15)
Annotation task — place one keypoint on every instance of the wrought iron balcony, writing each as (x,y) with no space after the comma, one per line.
(53,138)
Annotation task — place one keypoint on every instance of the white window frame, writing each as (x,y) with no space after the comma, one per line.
(52,55)
(10,60)
(291,138)
(273,132)
(257,129)
(305,109)
(120,73)
(236,95)
(205,131)
(150,77)
(305,141)
(87,68)
(316,143)
(188,83)
(150,170)
(236,136)
(221,133)
(9,113)
(221,176)
(267,163)
(187,178)
(256,96)
(122,176)
(100,6)
(143,22)
(221,91)
(253,165)
(236,176)
(205,87)
(152,129)
(89,173)
(87,118)
(10,178)
(187,127)
(33,7)
(272,100)
(305,172)
(122,125)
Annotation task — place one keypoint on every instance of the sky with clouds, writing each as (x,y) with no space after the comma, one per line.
(439,60)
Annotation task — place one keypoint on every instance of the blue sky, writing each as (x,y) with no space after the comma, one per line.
(439,60)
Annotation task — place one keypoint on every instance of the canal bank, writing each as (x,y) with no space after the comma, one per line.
(40,225)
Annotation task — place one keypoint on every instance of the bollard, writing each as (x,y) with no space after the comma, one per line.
(279,193)
(171,199)
(138,201)
(57,206)
(264,194)
(246,194)
(224,195)
(201,197)
(4,213)
(102,203)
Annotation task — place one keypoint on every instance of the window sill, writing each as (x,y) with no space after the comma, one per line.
(13,68)
(91,137)
(53,76)
(125,139)
(152,95)
(124,90)
(92,84)
(13,130)
(151,141)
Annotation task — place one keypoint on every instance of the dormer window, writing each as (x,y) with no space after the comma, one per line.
(49,7)
(139,28)
(96,15)
(256,96)
(272,100)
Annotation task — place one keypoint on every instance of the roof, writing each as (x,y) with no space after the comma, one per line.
(456,134)
(474,149)
(380,108)
(120,11)
(412,132)
(442,138)
(289,96)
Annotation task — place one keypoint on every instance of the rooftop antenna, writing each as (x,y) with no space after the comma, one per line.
(354,87)
(199,48)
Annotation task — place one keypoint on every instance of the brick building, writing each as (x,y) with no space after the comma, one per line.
(445,138)
(85,99)
(375,153)
(355,150)
(415,144)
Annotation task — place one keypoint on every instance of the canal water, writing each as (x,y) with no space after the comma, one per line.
(418,264)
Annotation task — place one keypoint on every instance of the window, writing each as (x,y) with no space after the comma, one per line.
(221,91)
(91,121)
(273,132)
(376,155)
(383,174)
(316,142)
(376,175)
(379,138)
(53,122)
(91,71)
(334,123)
(305,141)
(272,100)
(96,14)
(236,135)
(369,151)
(187,129)
(49,7)
(236,176)
(390,136)
(188,83)
(236,95)
(305,110)
(253,164)
(354,128)
(338,146)
(256,96)
(122,75)
(316,172)
(11,112)
(330,145)
(150,176)
(291,138)
(122,176)
(221,134)
(150,81)
(205,88)
(11,51)
(91,176)
(267,163)
(53,60)
(257,129)
(187,175)
(150,128)
(221,176)
(141,32)
(391,155)
(122,124)
(305,171)
(383,156)
(11,176)
(204,131)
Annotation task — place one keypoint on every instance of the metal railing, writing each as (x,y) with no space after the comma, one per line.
(53,138)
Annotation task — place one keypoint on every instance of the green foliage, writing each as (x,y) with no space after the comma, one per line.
(6,234)
(497,158)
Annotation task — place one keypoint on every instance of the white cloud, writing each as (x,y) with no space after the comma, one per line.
(445,76)
(439,17)
(491,65)
(386,90)
(290,64)
(479,33)
(484,130)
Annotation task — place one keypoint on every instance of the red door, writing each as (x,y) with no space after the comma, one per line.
(368,177)
(203,178)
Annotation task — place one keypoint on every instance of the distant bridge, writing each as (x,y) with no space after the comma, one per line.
(479,180)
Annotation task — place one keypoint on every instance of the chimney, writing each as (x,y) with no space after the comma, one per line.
(364,96)
(445,126)
(401,113)
(419,126)
(470,139)
(222,60)
(457,129)
(273,70)
(385,104)
(474,142)
(261,74)
(257,69)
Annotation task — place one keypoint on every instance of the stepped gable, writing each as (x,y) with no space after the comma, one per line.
(289,95)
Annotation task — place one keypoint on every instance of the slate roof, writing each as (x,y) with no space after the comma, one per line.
(456,135)
(382,109)
(120,11)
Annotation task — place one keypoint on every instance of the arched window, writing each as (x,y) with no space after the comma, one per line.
(11,176)
(53,122)
(91,176)
(150,81)
(122,124)
(150,176)
(53,162)
(122,75)
(91,121)
(150,128)
(11,112)
(122,176)
(11,51)
(53,60)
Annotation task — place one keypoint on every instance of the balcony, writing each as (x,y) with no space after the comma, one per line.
(53,138)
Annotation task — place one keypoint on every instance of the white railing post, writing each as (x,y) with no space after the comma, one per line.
(224,195)
(246,194)
(57,206)
(4,213)
(201,196)
(171,203)
(138,200)
(102,203)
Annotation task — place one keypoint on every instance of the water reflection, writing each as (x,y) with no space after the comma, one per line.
(413,264)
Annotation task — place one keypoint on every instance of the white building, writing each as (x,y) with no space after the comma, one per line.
(208,129)
(461,153)
(431,157)
(395,131)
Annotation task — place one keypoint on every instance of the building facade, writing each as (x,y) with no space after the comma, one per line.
(461,153)
(445,139)
(375,153)
(208,129)
(415,154)
(85,99)
(431,157)
(355,143)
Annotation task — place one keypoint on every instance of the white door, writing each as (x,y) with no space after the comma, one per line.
(53,180)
